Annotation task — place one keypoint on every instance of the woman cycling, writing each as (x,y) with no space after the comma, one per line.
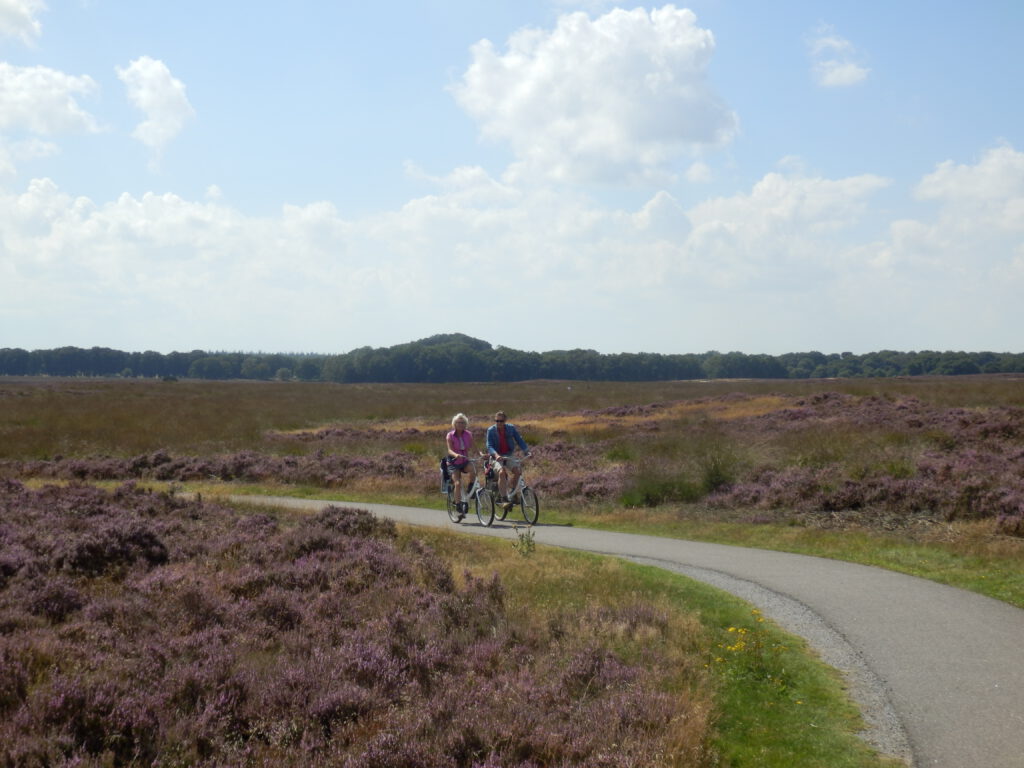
(460,443)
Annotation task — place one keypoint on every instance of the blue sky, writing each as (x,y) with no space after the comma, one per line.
(316,177)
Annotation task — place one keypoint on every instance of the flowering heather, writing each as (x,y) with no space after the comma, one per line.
(891,460)
(146,629)
(320,468)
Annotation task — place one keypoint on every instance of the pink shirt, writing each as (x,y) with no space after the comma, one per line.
(461,445)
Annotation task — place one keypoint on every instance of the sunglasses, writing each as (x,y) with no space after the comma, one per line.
(499,421)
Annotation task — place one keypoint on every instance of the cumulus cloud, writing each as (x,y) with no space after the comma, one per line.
(161,256)
(40,100)
(977,232)
(161,97)
(834,60)
(14,152)
(699,173)
(619,97)
(998,176)
(779,267)
(18,19)
(781,233)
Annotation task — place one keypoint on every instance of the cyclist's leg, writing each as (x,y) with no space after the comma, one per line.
(517,472)
(457,483)
(502,481)
(467,485)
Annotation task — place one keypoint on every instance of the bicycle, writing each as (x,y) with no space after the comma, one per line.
(522,495)
(483,501)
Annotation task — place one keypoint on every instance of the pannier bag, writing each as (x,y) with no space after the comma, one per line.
(446,478)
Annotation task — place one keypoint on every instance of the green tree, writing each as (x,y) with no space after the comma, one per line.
(308,369)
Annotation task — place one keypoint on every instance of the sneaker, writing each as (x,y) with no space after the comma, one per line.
(507,505)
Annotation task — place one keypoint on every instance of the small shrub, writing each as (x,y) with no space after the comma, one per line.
(54,600)
(717,470)
(620,453)
(1011,524)
(100,550)
(525,543)
(14,680)
(650,488)
(355,522)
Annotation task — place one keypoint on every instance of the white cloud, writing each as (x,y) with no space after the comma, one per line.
(999,175)
(18,19)
(161,97)
(978,231)
(837,74)
(782,266)
(15,152)
(956,274)
(781,234)
(620,97)
(40,100)
(834,60)
(699,173)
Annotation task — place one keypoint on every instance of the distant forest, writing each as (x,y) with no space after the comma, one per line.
(457,357)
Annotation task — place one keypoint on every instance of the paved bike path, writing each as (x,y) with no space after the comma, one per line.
(937,668)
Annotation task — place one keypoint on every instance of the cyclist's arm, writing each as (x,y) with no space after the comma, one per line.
(520,441)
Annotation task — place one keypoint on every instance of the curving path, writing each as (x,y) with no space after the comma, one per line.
(936,670)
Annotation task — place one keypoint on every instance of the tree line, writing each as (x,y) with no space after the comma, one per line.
(457,357)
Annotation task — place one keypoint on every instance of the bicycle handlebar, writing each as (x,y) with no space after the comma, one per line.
(492,457)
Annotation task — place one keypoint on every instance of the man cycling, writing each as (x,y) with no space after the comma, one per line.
(502,439)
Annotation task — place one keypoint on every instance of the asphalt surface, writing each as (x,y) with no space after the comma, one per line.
(936,670)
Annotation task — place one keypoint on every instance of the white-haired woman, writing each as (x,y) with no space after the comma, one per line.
(460,443)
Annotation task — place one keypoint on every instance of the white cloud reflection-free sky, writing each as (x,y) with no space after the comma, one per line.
(314,176)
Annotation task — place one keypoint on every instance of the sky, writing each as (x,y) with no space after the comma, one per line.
(727,175)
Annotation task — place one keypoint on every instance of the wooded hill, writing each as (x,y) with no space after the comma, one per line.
(457,357)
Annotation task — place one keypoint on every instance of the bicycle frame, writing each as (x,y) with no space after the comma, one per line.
(479,494)
(528,502)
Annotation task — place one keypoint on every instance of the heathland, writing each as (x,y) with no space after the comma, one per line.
(262,638)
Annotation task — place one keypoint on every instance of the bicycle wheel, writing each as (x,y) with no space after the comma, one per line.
(530,505)
(484,507)
(453,510)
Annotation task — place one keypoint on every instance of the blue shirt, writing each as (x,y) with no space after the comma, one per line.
(512,437)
